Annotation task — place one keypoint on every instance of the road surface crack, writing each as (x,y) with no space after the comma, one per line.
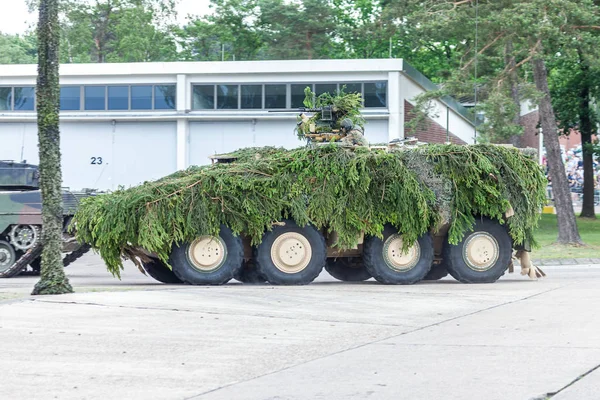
(550,395)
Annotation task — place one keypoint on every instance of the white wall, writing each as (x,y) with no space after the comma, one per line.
(458,125)
(214,137)
(99,155)
(217,137)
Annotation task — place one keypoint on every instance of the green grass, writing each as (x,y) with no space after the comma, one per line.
(547,233)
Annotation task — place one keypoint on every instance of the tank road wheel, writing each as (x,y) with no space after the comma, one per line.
(483,254)
(160,272)
(386,261)
(437,272)
(347,269)
(7,256)
(208,260)
(291,255)
(249,273)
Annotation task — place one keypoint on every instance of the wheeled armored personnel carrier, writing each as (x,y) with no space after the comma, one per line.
(397,212)
(21,220)
(282,216)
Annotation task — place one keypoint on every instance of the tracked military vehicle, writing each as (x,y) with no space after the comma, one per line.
(21,220)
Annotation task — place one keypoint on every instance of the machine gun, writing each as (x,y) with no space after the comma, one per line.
(327,128)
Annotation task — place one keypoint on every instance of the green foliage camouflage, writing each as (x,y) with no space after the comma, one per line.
(334,188)
(344,105)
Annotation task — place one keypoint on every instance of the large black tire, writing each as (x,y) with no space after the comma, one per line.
(347,269)
(249,274)
(295,242)
(437,272)
(160,272)
(8,256)
(482,256)
(407,268)
(208,260)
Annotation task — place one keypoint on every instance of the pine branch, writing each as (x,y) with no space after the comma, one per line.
(487,46)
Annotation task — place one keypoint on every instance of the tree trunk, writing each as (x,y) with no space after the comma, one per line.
(585,129)
(309,45)
(513,82)
(568,232)
(53,279)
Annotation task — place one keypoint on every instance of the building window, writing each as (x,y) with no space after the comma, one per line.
(351,87)
(204,97)
(70,98)
(24,99)
(298,94)
(375,94)
(275,96)
(321,88)
(95,98)
(165,97)
(251,96)
(279,95)
(227,97)
(5,99)
(118,97)
(141,97)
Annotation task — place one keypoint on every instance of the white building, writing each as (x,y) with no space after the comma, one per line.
(122,124)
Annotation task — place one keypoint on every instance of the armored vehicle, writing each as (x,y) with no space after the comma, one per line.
(399,212)
(21,220)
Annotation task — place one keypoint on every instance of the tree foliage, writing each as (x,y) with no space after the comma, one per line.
(16,49)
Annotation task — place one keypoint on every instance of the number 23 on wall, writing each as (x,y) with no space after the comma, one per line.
(96,161)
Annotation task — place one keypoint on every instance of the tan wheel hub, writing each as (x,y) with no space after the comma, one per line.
(207,253)
(481,251)
(396,258)
(291,252)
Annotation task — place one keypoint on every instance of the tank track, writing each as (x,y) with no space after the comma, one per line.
(75,255)
(21,264)
(23,261)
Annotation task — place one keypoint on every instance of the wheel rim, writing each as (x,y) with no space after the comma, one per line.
(397,259)
(481,251)
(24,237)
(207,253)
(6,259)
(291,252)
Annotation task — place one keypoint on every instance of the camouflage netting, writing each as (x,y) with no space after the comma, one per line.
(332,187)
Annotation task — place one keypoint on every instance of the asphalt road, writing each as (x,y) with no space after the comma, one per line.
(137,339)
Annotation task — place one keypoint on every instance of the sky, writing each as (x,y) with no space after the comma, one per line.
(15,17)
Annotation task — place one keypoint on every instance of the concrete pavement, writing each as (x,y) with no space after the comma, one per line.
(136,339)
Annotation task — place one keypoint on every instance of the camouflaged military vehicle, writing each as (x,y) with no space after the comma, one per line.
(21,220)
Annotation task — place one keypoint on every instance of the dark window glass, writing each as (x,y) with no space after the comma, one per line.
(321,88)
(5,98)
(165,97)
(204,97)
(24,98)
(227,97)
(376,94)
(275,96)
(95,97)
(70,98)
(351,87)
(298,94)
(118,98)
(141,97)
(251,96)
